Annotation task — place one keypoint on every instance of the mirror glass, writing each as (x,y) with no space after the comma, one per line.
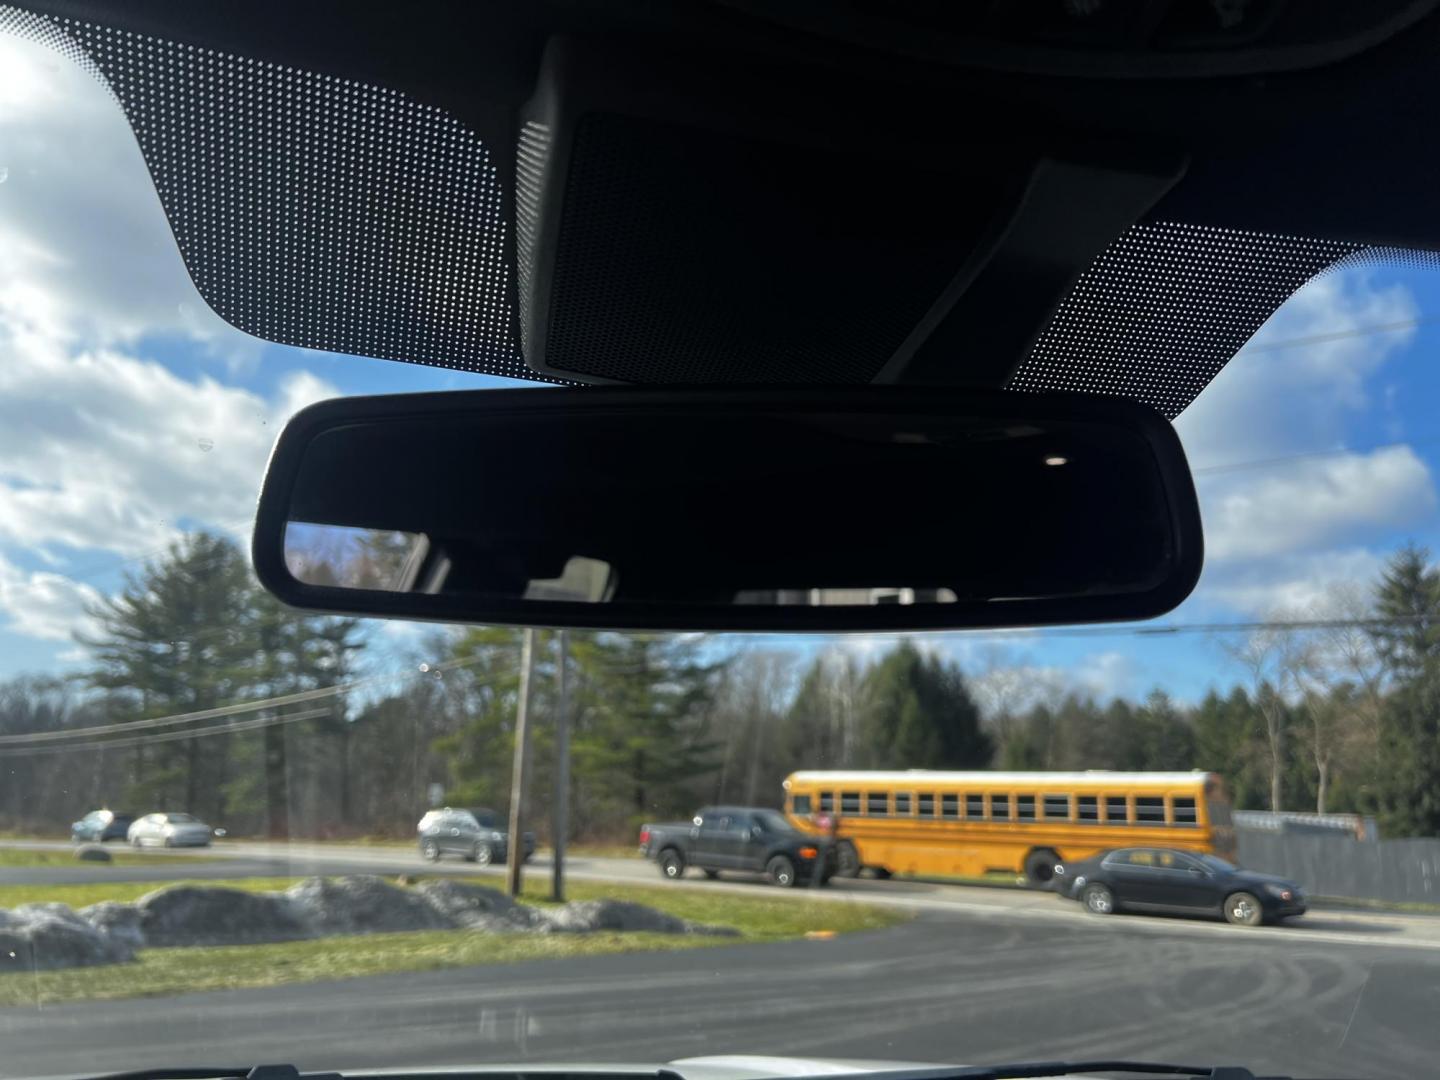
(629,503)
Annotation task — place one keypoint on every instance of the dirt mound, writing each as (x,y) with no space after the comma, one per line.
(363,905)
(587,916)
(120,922)
(200,915)
(43,937)
(476,907)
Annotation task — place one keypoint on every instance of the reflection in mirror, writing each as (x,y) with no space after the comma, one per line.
(346,557)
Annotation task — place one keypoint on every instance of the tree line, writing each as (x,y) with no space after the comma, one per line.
(347,740)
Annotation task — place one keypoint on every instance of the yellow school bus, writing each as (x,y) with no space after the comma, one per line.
(972,823)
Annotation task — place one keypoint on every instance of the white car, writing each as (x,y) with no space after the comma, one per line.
(169,830)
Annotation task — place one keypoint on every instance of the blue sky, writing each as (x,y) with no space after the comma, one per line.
(129,412)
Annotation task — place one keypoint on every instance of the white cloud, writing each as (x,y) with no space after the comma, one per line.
(102,446)
(106,450)
(85,251)
(1314,503)
(43,604)
(1291,584)
(1272,401)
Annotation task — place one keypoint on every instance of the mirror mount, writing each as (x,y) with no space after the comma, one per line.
(773,509)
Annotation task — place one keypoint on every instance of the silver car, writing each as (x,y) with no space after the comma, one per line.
(169,830)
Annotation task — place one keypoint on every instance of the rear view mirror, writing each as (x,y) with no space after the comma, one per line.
(768,509)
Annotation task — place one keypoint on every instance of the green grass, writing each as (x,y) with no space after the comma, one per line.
(23,857)
(185,970)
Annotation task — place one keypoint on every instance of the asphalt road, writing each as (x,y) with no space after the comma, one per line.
(945,987)
(981,975)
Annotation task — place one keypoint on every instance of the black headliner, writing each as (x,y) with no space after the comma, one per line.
(1332,143)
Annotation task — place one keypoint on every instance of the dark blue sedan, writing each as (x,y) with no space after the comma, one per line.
(99,826)
(1178,882)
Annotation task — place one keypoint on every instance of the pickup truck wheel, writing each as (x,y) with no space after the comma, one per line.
(781,871)
(712,874)
(672,864)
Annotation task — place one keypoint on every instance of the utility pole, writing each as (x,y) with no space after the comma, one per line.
(515,848)
(560,820)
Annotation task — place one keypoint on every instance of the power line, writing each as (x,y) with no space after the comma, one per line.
(226,710)
(1261,463)
(280,701)
(170,736)
(1340,335)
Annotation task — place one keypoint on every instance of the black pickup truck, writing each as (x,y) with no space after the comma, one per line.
(744,838)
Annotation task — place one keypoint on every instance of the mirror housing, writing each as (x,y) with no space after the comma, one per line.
(770,509)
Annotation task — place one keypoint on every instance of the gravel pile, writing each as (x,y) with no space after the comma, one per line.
(199,915)
(44,937)
(117,921)
(47,936)
(475,907)
(361,905)
(587,916)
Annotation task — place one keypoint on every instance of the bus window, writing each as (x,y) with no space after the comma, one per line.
(975,807)
(1057,806)
(1184,811)
(999,807)
(800,804)
(950,805)
(849,802)
(1116,813)
(1087,808)
(1149,810)
(1025,807)
(902,803)
(877,803)
(927,805)
(827,800)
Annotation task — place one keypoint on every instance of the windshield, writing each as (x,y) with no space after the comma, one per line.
(336,914)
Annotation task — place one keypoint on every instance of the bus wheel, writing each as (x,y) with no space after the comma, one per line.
(880,872)
(1040,868)
(847,861)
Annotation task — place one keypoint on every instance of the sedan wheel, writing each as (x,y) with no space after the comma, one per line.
(1099,900)
(1243,909)
(430,851)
